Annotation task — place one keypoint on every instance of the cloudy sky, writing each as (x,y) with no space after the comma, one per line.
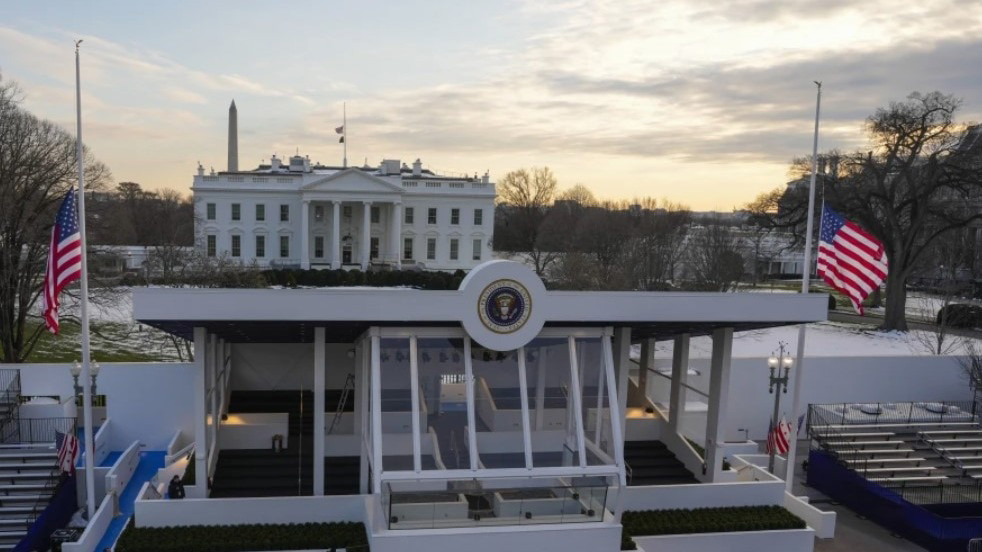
(700,102)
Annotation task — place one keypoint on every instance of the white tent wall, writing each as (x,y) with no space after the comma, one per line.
(261,366)
(147,402)
(827,380)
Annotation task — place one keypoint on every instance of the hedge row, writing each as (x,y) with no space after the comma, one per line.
(960,315)
(705,520)
(234,538)
(382,278)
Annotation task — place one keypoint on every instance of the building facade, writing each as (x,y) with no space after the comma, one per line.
(301,215)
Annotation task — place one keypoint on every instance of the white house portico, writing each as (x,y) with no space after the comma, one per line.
(305,215)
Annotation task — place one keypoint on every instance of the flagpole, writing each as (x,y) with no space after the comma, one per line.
(805,281)
(344,131)
(86,374)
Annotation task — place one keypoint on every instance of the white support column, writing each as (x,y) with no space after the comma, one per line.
(364,407)
(617,430)
(396,232)
(414,401)
(376,385)
(336,234)
(319,384)
(719,389)
(471,417)
(680,374)
(645,363)
(576,398)
(212,382)
(622,368)
(366,235)
(523,391)
(200,489)
(305,235)
(540,393)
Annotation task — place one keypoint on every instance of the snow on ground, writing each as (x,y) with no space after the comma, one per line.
(821,339)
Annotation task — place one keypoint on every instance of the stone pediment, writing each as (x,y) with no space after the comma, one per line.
(352,181)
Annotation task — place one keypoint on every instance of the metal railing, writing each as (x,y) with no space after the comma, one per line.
(42,430)
(9,403)
(898,413)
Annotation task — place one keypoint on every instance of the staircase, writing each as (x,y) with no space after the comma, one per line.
(651,463)
(262,472)
(28,477)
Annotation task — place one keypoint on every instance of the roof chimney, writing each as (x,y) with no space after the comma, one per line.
(233,138)
(417,167)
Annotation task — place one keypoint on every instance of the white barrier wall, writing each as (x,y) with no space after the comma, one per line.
(827,380)
(103,441)
(565,537)
(792,540)
(94,530)
(147,401)
(243,511)
(122,471)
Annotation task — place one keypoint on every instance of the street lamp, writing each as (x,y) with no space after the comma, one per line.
(76,371)
(778,382)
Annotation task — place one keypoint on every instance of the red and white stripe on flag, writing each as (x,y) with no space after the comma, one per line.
(779,438)
(849,258)
(64,264)
(67,453)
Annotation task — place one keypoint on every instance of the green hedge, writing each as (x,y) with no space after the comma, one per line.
(705,520)
(229,538)
(382,278)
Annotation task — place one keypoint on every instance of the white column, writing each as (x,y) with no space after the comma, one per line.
(366,235)
(336,235)
(680,373)
(719,388)
(622,357)
(200,489)
(414,401)
(212,382)
(319,384)
(376,389)
(363,404)
(645,363)
(305,235)
(471,416)
(523,393)
(576,400)
(396,233)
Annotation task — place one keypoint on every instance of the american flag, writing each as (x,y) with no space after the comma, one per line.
(64,259)
(67,445)
(779,438)
(850,259)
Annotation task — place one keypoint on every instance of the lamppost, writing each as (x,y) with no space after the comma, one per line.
(76,371)
(777,382)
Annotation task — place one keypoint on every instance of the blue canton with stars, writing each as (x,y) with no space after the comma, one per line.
(67,219)
(831,223)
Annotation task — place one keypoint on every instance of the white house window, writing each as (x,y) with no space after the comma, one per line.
(376,215)
(407,249)
(260,247)
(284,246)
(454,216)
(284,213)
(373,251)
(212,241)
(431,216)
(236,245)
(319,213)
(454,248)
(236,211)
(431,248)
(477,249)
(210,211)
(260,212)
(318,246)
(408,215)
(346,211)
(478,217)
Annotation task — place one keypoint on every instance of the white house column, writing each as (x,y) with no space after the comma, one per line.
(396,233)
(366,235)
(336,235)
(200,488)
(680,373)
(305,235)
(319,384)
(719,389)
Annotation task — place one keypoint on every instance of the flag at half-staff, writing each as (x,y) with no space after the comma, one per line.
(849,258)
(64,259)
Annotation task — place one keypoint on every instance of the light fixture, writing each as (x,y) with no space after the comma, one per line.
(76,369)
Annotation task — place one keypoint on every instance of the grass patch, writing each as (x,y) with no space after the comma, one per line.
(705,520)
(229,538)
(110,342)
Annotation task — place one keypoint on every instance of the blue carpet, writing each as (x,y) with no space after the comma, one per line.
(110,459)
(150,462)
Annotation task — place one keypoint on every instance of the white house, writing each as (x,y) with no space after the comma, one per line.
(296,214)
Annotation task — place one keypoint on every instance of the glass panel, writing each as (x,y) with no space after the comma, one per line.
(396,410)
(498,408)
(595,406)
(553,431)
(443,443)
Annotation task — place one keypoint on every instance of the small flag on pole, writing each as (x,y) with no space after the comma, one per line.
(67,445)
(64,259)
(779,438)
(849,258)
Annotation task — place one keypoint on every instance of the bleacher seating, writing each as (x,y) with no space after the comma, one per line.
(28,476)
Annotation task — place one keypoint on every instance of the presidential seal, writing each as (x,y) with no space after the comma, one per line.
(504,306)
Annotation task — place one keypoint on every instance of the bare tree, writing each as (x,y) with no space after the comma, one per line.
(37,167)
(714,254)
(658,242)
(524,198)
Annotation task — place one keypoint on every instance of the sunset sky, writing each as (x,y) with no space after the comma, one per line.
(699,102)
